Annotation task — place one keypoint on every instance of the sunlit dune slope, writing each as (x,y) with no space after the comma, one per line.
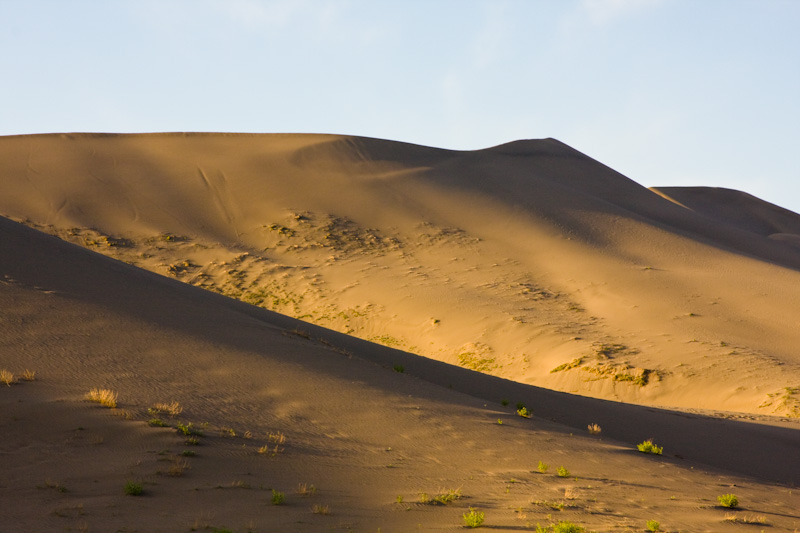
(529,260)
(353,434)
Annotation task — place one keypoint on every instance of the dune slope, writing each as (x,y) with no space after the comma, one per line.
(332,413)
(529,261)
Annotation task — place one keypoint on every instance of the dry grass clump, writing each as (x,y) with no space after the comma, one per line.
(304,489)
(443,497)
(172,409)
(7,377)
(275,444)
(105,397)
(744,519)
(594,429)
(321,509)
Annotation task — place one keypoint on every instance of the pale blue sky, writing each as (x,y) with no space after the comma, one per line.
(668,92)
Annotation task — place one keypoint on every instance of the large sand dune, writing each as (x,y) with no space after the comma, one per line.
(527,261)
(516,260)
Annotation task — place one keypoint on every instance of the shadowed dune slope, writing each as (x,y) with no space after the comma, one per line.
(529,261)
(735,208)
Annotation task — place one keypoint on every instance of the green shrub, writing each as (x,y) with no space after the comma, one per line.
(543,467)
(278,498)
(649,447)
(189,429)
(523,412)
(133,489)
(563,472)
(473,518)
(157,422)
(567,527)
(728,500)
(399,369)
(652,525)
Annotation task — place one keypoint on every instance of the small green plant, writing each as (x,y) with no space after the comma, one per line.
(399,369)
(567,527)
(278,498)
(192,441)
(542,468)
(7,377)
(188,453)
(500,421)
(649,447)
(473,518)
(563,472)
(504,402)
(399,498)
(189,430)
(133,489)
(652,525)
(157,422)
(105,397)
(728,500)
(523,412)
(520,405)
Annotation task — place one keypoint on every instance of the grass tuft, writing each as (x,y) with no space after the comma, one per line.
(321,509)
(105,397)
(594,429)
(304,489)
(542,467)
(7,377)
(172,409)
(28,375)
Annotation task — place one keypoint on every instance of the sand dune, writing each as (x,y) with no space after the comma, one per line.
(516,260)
(364,435)
(531,263)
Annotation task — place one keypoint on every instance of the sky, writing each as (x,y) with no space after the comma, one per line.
(668,92)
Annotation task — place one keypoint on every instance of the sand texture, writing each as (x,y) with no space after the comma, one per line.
(363,316)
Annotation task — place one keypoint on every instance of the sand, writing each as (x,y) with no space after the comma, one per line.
(373,305)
